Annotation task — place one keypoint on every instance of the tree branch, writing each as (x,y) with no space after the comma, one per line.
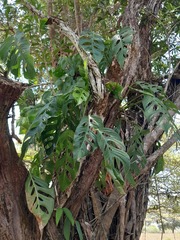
(154,156)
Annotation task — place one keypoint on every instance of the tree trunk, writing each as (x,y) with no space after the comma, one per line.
(116,216)
(16,223)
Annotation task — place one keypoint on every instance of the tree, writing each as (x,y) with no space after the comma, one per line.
(93,110)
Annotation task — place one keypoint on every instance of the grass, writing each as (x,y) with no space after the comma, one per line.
(157,236)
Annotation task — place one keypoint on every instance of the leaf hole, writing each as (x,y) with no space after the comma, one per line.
(34,201)
(32,192)
(44,194)
(44,209)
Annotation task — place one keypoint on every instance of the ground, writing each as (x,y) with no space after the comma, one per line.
(157,236)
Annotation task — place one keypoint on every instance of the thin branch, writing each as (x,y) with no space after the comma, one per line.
(151,161)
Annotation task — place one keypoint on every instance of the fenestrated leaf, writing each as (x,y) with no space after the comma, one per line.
(155,104)
(40,199)
(85,136)
(94,44)
(44,126)
(119,44)
(113,148)
(91,131)
(80,95)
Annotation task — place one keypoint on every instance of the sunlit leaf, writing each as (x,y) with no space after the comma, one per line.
(59,213)
(40,199)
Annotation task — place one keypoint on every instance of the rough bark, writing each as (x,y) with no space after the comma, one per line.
(125,219)
(15,220)
(137,67)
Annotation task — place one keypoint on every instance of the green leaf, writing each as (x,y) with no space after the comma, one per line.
(119,44)
(69,215)
(65,164)
(63,178)
(40,199)
(23,48)
(135,150)
(117,179)
(159,165)
(155,104)
(78,228)
(85,136)
(107,57)
(21,42)
(113,148)
(28,66)
(16,50)
(44,126)
(67,229)
(5,48)
(13,61)
(94,44)
(59,213)
(80,95)
(114,88)
(91,132)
